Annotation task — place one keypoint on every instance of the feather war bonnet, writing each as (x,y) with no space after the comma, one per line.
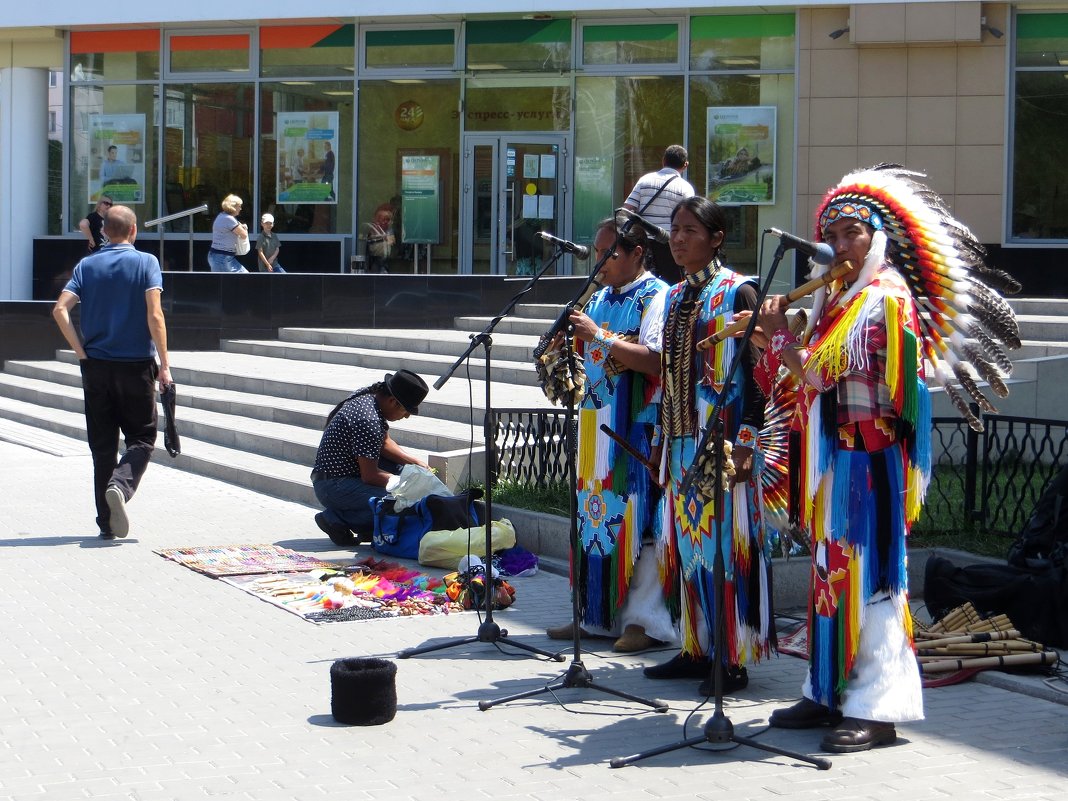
(968,327)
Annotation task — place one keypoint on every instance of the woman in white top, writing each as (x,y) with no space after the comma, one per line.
(226,231)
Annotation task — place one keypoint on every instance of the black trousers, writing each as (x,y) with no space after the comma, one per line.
(119,397)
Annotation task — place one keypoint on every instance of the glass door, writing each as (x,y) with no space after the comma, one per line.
(513,188)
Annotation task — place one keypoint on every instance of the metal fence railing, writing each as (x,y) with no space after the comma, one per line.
(981,481)
(530,446)
(991,480)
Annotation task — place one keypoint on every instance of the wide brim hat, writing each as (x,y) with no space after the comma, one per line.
(408,388)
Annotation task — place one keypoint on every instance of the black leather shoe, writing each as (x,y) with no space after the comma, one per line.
(338,533)
(858,735)
(679,666)
(735,678)
(805,714)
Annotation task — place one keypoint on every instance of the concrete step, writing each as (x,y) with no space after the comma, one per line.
(515,326)
(506,347)
(538,311)
(1034,349)
(1039,306)
(216,422)
(328,383)
(30,436)
(1043,327)
(243,462)
(508,372)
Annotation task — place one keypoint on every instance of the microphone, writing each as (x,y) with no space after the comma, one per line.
(653,231)
(580,252)
(819,252)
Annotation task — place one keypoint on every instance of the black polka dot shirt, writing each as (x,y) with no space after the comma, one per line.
(358,429)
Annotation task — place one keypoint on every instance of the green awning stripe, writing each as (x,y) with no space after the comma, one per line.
(519,31)
(630,33)
(417,37)
(345,36)
(742,26)
(1042,26)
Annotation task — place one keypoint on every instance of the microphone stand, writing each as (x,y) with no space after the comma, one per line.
(489,631)
(577,675)
(719,730)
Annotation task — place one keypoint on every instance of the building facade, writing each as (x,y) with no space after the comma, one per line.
(457,136)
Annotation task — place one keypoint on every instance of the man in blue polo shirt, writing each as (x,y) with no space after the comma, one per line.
(122,332)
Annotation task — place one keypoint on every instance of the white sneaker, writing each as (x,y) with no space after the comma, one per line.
(120,523)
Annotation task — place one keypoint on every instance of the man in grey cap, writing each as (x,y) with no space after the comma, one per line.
(356,455)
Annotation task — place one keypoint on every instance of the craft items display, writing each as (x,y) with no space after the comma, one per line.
(243,560)
(367,590)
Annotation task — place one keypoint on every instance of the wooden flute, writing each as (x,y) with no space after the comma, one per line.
(804,290)
(655,468)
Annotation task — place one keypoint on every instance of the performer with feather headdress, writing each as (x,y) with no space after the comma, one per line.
(861,452)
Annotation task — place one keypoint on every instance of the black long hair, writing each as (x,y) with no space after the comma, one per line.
(710,215)
(628,238)
(374,389)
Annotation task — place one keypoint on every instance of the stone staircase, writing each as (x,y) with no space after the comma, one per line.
(252,412)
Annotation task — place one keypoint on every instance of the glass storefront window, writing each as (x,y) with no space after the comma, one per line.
(1042,40)
(113,148)
(517,104)
(630,44)
(742,42)
(208,144)
(208,52)
(1039,190)
(622,127)
(1039,183)
(305,167)
(409,133)
(521,45)
(416,48)
(747,220)
(114,55)
(301,50)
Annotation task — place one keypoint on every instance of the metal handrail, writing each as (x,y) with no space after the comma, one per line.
(177,215)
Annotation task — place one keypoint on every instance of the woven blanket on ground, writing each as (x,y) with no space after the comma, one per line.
(368,590)
(794,641)
(243,560)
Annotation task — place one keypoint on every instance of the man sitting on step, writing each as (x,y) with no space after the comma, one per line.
(356,455)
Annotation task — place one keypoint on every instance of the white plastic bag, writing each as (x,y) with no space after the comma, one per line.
(412,485)
(444,548)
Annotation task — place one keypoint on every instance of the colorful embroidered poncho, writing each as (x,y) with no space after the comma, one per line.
(862,459)
(617,498)
(693,382)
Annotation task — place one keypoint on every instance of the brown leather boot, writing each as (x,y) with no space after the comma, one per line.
(633,640)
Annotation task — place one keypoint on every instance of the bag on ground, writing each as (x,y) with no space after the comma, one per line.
(441,548)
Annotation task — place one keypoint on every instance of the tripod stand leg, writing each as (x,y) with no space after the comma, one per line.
(577,676)
(487,632)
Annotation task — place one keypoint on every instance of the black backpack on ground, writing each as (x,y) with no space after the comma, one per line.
(1044,539)
(1036,601)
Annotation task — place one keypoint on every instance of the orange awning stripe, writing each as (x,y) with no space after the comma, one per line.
(127,41)
(229,41)
(279,37)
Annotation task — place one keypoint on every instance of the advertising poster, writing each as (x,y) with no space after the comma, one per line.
(307,156)
(741,155)
(117,157)
(421,198)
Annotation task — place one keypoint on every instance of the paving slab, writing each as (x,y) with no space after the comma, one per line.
(126,676)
